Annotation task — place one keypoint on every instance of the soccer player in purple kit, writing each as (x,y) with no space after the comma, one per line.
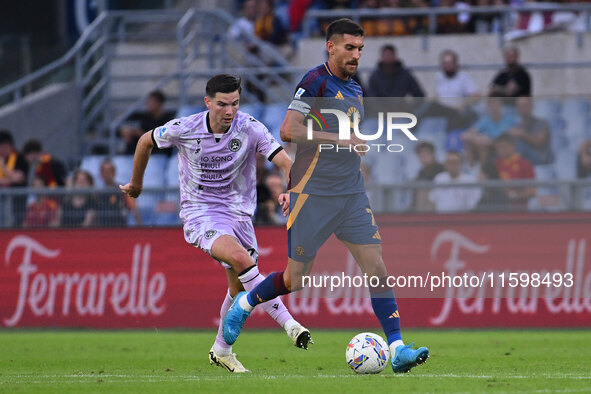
(217,173)
(327,194)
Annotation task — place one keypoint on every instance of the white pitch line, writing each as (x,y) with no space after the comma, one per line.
(175,377)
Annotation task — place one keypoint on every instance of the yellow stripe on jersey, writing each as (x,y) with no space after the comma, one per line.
(302,183)
(327,69)
(296,209)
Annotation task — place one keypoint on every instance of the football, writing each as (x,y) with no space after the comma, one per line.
(367,353)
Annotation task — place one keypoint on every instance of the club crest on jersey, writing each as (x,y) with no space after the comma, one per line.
(210,233)
(235,145)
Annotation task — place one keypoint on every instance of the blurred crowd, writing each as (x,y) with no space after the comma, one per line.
(504,140)
(34,168)
(488,135)
(276,21)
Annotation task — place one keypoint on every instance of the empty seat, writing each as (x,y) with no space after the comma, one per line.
(123,167)
(566,165)
(546,108)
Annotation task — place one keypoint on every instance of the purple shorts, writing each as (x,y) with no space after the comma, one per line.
(204,233)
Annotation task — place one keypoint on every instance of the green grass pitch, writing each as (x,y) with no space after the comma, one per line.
(176,361)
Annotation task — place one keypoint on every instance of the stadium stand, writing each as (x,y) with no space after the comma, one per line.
(204,50)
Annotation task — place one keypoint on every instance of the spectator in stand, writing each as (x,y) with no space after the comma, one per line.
(43,211)
(532,134)
(584,160)
(486,22)
(297,10)
(268,26)
(430,168)
(13,173)
(456,93)
(376,26)
(276,186)
(513,80)
(139,123)
(449,23)
(79,210)
(458,198)
(244,26)
(393,26)
(112,209)
(511,165)
(13,166)
(493,198)
(265,206)
(478,140)
(453,83)
(391,78)
(417,24)
(42,165)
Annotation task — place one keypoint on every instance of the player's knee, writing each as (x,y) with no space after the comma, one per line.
(240,260)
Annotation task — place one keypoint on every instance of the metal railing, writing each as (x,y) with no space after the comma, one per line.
(505,12)
(199,34)
(159,206)
(201,37)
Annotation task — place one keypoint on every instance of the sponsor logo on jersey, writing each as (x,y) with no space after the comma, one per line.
(210,233)
(339,96)
(299,93)
(235,145)
(177,123)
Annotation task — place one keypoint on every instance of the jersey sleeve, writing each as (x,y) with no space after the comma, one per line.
(169,134)
(266,145)
(305,92)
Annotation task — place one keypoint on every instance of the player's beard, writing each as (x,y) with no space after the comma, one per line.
(348,67)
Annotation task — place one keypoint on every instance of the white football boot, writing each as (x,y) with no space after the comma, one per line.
(229,362)
(300,336)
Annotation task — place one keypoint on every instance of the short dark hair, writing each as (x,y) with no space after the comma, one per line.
(344,26)
(158,96)
(388,47)
(6,137)
(32,145)
(424,145)
(506,137)
(223,83)
(107,161)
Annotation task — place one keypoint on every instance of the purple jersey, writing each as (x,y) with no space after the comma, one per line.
(217,177)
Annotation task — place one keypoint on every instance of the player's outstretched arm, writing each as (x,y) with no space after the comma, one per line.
(283,162)
(140,162)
